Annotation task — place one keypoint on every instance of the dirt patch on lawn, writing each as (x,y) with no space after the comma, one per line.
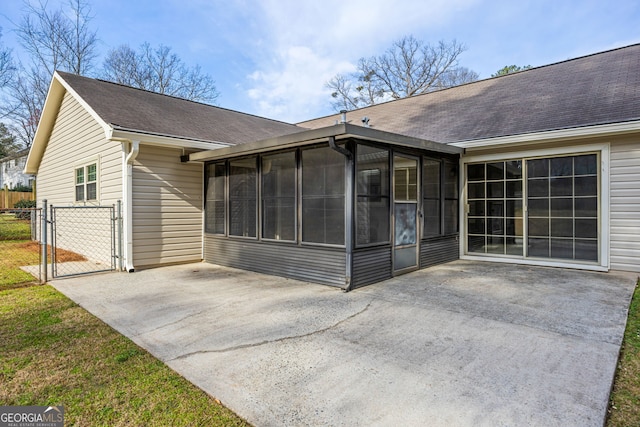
(62,255)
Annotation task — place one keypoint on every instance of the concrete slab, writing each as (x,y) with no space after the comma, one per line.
(465,343)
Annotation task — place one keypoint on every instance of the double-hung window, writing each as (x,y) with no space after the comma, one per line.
(86,183)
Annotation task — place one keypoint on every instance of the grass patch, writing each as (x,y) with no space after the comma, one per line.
(16,254)
(53,352)
(624,405)
(12,228)
(15,236)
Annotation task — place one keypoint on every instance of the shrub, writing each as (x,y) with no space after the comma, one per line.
(21,187)
(24,204)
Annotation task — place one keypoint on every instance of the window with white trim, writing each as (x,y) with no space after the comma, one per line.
(86,182)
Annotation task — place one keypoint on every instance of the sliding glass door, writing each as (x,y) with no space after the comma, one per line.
(534,208)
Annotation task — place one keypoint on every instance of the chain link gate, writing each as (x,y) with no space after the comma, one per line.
(85,239)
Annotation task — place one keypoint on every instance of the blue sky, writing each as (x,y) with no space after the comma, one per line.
(273,57)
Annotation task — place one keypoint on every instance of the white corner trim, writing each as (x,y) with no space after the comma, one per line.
(553,135)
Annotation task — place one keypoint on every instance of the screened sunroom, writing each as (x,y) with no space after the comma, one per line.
(344,206)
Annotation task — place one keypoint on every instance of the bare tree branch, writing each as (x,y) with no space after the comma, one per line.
(158,70)
(54,40)
(408,68)
(7,67)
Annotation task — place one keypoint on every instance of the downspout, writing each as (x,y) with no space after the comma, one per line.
(129,156)
(348,214)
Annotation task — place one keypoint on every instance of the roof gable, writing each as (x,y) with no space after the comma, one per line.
(598,89)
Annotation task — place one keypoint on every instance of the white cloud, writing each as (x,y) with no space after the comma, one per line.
(294,89)
(304,44)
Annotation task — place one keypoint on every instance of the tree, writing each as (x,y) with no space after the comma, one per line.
(409,67)
(8,143)
(508,69)
(54,40)
(7,67)
(158,70)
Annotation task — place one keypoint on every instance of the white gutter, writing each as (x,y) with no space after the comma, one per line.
(553,135)
(163,140)
(128,157)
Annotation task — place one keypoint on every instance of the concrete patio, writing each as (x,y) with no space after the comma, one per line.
(465,343)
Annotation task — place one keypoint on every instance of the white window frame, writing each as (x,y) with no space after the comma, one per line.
(85,166)
(603,203)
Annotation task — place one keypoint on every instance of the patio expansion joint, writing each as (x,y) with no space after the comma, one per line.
(265,342)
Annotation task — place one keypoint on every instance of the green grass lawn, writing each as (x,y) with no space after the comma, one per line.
(624,408)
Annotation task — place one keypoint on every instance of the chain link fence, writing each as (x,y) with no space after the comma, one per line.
(21,262)
(41,243)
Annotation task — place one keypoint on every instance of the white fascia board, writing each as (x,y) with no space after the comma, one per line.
(553,135)
(162,140)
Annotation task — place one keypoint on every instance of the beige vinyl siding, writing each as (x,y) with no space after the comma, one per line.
(167,208)
(625,205)
(77,139)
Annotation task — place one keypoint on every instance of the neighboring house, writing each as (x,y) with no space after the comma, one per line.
(12,170)
(539,167)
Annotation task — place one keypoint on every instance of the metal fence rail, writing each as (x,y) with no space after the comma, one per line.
(84,239)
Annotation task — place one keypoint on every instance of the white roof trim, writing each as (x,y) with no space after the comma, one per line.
(553,135)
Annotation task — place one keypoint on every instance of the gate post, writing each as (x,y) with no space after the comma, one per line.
(52,221)
(43,239)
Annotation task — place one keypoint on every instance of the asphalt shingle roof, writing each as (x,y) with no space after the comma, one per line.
(135,109)
(597,89)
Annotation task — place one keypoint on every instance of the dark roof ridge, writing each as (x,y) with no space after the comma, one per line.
(66,73)
(476,81)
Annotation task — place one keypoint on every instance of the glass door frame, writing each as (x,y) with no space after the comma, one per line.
(603,181)
(417,217)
